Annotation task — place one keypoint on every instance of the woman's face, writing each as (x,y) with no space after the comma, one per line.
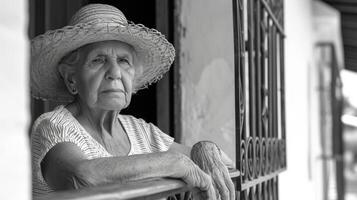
(104,79)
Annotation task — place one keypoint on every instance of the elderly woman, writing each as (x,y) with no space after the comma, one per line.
(96,64)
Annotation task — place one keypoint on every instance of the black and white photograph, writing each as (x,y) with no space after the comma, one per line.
(178,100)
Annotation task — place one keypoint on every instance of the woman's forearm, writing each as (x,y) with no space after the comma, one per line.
(66,167)
(129,168)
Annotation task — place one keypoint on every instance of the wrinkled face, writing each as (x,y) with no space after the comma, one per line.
(104,79)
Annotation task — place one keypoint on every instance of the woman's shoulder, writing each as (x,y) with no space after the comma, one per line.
(60,116)
(147,133)
(138,124)
(133,121)
(126,117)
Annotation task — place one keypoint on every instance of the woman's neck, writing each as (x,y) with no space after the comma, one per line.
(98,119)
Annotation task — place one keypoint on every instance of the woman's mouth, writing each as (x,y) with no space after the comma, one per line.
(113,91)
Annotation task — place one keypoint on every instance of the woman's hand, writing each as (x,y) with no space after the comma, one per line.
(189,172)
(209,158)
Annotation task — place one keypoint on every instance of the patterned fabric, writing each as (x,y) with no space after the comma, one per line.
(60,126)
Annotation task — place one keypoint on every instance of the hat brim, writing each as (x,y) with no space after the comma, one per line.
(153,50)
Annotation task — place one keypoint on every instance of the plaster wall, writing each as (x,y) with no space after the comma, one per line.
(14,148)
(207,73)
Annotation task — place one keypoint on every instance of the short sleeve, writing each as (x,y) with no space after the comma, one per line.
(50,129)
(158,140)
(46,133)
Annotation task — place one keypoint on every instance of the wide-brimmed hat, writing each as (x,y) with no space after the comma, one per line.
(95,23)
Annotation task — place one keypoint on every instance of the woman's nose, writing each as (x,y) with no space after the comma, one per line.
(114,71)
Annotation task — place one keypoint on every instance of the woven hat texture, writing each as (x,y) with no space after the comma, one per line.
(95,23)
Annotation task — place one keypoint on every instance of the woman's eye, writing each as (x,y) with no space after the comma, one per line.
(123,60)
(98,60)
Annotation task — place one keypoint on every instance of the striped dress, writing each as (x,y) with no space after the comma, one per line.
(60,125)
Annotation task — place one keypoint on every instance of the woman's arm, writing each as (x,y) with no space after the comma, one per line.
(66,167)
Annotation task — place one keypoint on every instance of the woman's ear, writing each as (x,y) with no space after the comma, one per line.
(67,73)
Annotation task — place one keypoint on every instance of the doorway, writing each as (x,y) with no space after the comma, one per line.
(154,104)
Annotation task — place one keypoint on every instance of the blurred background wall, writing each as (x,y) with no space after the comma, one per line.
(311,170)
(14,145)
(295,182)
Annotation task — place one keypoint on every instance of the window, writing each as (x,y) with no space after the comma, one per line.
(259,96)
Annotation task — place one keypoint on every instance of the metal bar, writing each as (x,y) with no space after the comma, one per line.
(258,56)
(282,98)
(270,91)
(251,68)
(261,179)
(237,59)
(273,93)
(244,15)
(272,16)
(273,80)
(263,70)
(274,83)
(252,86)
(282,88)
(258,95)
(242,76)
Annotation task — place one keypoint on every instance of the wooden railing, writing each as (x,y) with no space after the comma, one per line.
(148,189)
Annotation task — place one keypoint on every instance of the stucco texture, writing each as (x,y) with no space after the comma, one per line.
(207,73)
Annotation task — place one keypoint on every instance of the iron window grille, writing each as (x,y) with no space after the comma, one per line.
(259,96)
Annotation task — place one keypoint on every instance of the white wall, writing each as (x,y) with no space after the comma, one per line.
(296,183)
(307,22)
(14,147)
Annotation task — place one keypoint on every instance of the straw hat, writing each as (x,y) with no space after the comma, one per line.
(95,23)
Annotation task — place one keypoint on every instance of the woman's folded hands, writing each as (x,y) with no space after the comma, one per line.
(214,163)
(207,170)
